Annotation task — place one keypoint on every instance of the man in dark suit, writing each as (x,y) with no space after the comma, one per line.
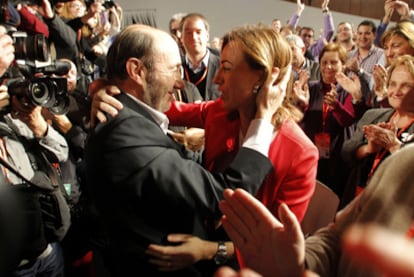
(142,183)
(200,62)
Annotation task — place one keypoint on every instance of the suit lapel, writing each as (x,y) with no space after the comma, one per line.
(135,107)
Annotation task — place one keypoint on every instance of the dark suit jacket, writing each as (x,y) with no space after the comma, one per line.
(145,188)
(212,91)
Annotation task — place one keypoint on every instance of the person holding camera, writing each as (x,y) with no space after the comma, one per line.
(23,240)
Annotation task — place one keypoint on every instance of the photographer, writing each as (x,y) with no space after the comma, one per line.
(24,125)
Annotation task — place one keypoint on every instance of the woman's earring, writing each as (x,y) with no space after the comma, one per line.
(256,89)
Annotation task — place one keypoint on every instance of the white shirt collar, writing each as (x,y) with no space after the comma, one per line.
(159,117)
(202,65)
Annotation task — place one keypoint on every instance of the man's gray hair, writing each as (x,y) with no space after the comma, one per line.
(296,39)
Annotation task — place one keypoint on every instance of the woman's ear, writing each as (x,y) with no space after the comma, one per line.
(275,74)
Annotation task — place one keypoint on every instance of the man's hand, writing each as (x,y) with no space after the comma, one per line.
(30,114)
(190,249)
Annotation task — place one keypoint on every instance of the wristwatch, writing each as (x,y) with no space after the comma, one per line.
(221,254)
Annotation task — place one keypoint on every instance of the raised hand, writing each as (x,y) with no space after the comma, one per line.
(383,134)
(402,8)
(351,85)
(380,78)
(331,96)
(299,7)
(388,10)
(301,90)
(353,65)
(103,101)
(272,93)
(267,245)
(325,5)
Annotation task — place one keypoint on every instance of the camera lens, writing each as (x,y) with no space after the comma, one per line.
(61,105)
(50,93)
(39,93)
(37,48)
(30,47)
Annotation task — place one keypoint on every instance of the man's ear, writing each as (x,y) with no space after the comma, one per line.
(135,69)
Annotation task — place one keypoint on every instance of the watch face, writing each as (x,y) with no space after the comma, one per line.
(220,259)
(221,255)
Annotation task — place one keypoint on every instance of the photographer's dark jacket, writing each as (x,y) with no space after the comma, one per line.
(63,38)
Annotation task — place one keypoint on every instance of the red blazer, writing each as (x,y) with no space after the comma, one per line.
(292,153)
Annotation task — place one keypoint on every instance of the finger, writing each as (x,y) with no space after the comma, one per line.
(162,265)
(101,117)
(234,225)
(289,220)
(249,209)
(111,101)
(108,108)
(178,237)
(236,218)
(225,271)
(157,251)
(309,273)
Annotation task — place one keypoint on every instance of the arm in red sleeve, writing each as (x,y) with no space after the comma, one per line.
(344,113)
(32,24)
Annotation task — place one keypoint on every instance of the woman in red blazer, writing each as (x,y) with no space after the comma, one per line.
(246,60)
(293,155)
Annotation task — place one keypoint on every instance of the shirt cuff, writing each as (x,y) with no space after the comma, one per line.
(259,136)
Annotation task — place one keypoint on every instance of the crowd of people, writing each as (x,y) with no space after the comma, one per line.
(177,156)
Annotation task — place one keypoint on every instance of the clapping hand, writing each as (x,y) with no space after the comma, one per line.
(301,90)
(330,97)
(351,85)
(267,245)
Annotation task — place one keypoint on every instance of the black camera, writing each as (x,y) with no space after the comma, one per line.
(108,4)
(46,90)
(30,47)
(32,76)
